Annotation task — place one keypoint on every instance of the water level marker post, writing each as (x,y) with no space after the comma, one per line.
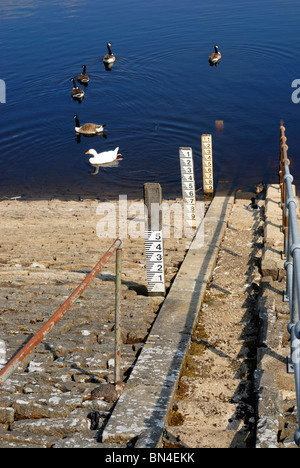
(188,187)
(154,240)
(207,164)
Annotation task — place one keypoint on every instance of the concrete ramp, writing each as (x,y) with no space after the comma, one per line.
(143,407)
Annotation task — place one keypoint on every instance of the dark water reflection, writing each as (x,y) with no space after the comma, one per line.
(159,95)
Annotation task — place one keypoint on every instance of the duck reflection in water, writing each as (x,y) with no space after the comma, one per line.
(78,136)
(108,66)
(97,166)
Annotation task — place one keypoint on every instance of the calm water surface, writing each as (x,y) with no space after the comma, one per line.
(160,94)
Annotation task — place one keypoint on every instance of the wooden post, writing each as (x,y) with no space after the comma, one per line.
(154,239)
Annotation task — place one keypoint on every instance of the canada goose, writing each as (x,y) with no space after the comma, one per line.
(83,77)
(259,188)
(88,128)
(104,157)
(109,58)
(77,93)
(215,57)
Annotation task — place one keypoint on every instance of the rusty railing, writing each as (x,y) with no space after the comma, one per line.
(14,362)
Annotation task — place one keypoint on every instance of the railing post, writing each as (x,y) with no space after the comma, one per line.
(118,314)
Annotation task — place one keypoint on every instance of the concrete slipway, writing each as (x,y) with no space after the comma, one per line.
(143,406)
(141,413)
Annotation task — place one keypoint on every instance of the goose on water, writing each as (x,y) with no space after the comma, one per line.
(109,58)
(77,93)
(88,128)
(215,57)
(83,77)
(259,188)
(104,157)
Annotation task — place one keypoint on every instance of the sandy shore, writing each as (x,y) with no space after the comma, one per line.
(72,235)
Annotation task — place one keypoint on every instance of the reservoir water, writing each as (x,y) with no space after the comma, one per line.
(160,94)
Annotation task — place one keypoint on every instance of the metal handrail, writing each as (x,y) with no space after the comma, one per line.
(11,366)
(292,266)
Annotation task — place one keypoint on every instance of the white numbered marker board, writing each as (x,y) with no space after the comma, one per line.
(207,164)
(188,185)
(155,261)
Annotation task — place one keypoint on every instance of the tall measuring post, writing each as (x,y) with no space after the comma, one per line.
(154,240)
(207,163)
(188,186)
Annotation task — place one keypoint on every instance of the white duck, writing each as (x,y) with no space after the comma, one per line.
(104,157)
